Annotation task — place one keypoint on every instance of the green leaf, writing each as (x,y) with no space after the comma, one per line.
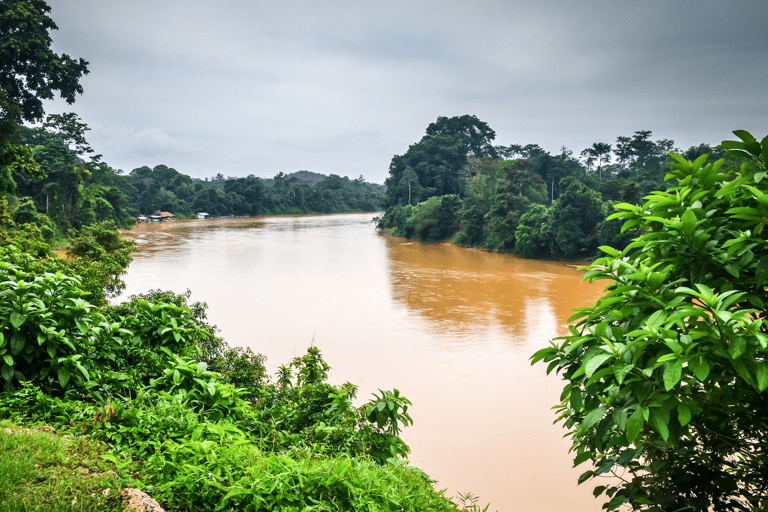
(658,422)
(583,456)
(17,343)
(17,319)
(585,476)
(6,372)
(8,359)
(700,367)
(672,374)
(738,346)
(594,363)
(64,375)
(683,414)
(576,402)
(689,223)
(622,372)
(743,372)
(593,417)
(762,376)
(635,424)
(656,319)
(744,135)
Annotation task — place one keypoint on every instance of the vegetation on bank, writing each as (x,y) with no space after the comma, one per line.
(456,185)
(666,376)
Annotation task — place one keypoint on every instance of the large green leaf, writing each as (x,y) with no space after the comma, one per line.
(64,375)
(594,363)
(18,319)
(635,424)
(17,343)
(6,372)
(700,367)
(672,374)
(762,376)
(689,223)
(661,426)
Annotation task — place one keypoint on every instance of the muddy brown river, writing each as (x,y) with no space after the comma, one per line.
(451,328)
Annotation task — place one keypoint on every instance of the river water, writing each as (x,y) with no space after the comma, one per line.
(451,328)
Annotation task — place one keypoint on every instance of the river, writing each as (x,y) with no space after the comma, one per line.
(451,328)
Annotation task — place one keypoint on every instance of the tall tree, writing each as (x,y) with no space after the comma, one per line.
(602,153)
(29,73)
(29,70)
(436,161)
(476,135)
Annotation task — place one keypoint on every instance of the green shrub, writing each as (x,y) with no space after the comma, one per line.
(666,376)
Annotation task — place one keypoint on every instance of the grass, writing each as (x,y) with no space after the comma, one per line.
(45,472)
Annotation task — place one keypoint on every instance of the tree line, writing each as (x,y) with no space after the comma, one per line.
(456,184)
(69,187)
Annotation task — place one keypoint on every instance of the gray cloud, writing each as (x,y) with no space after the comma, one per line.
(253,87)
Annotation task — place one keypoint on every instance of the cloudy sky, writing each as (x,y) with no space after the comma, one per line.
(243,87)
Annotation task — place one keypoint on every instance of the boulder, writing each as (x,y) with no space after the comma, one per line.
(136,501)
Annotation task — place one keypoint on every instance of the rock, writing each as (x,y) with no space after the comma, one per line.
(136,501)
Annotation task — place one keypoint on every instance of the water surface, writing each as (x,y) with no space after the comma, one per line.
(451,328)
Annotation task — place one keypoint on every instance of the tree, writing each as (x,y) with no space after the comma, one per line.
(100,256)
(574,220)
(476,135)
(29,70)
(436,161)
(532,238)
(602,153)
(666,375)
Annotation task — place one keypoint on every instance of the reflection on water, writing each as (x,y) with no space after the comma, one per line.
(451,328)
(461,290)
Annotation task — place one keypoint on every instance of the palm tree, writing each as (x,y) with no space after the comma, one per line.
(602,153)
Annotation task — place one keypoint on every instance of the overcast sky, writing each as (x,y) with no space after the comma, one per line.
(243,87)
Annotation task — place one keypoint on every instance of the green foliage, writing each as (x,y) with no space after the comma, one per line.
(387,411)
(474,134)
(666,375)
(531,234)
(429,168)
(100,255)
(46,329)
(574,221)
(30,70)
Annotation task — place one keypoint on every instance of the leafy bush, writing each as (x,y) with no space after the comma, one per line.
(666,375)
(100,256)
(46,329)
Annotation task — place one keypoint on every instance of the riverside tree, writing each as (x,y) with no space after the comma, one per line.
(29,73)
(666,375)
